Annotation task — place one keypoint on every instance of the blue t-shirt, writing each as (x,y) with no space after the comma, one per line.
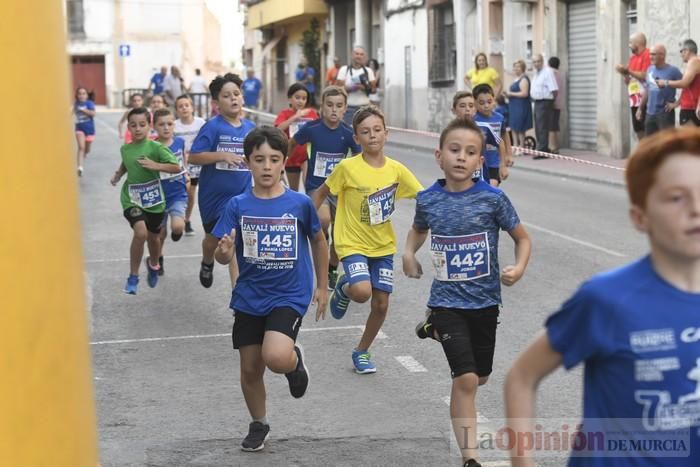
(328,147)
(639,338)
(493,129)
(157,80)
(175,185)
(84,122)
(272,250)
(658,97)
(220,181)
(301,74)
(251,91)
(464,229)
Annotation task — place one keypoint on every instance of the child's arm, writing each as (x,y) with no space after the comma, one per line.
(503,160)
(509,149)
(319,195)
(205,158)
(319,253)
(292,145)
(147,163)
(226,247)
(531,367)
(415,239)
(88,112)
(296,116)
(523,245)
(121,170)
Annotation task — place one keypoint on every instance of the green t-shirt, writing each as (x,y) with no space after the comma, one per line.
(142,186)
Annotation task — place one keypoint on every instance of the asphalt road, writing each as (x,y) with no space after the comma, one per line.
(166,377)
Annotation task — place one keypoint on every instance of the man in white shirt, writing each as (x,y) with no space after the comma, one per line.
(198,89)
(172,86)
(358,80)
(543,91)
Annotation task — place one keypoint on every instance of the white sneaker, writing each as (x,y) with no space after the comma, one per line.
(80,171)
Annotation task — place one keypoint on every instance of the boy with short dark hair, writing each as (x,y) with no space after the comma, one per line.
(267,230)
(464,218)
(367,186)
(463,105)
(636,328)
(493,127)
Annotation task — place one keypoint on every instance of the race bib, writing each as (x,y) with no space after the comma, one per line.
(194,170)
(169,176)
(460,258)
(234,148)
(269,238)
(325,163)
(146,195)
(381,204)
(476,175)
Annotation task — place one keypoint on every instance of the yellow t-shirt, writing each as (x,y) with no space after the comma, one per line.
(486,75)
(366,197)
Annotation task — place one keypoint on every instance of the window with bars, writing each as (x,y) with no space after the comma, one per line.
(631,15)
(443,48)
(76,19)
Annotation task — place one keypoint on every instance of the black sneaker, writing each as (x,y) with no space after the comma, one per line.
(188,229)
(471,463)
(206,274)
(298,378)
(424,329)
(161,271)
(175,236)
(257,435)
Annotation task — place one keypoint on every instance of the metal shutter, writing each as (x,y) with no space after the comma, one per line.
(582,75)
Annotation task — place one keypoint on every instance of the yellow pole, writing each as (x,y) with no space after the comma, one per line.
(46,402)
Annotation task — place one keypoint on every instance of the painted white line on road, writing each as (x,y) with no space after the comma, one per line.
(479,418)
(411,364)
(107,127)
(496,464)
(126,260)
(574,240)
(381,335)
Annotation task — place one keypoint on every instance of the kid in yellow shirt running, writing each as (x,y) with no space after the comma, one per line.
(367,186)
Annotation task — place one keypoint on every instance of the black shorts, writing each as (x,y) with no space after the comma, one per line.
(250,330)
(638,125)
(468,338)
(494,173)
(209,226)
(194,181)
(153,221)
(688,115)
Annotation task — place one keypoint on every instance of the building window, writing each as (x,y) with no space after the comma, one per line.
(443,48)
(631,15)
(76,19)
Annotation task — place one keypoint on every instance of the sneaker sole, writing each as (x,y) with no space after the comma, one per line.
(308,374)
(128,293)
(259,448)
(189,234)
(365,372)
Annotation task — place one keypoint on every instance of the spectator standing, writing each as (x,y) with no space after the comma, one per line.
(198,87)
(333,72)
(251,89)
(544,91)
(358,81)
(553,63)
(519,103)
(172,86)
(690,84)
(659,103)
(156,83)
(306,75)
(482,73)
(375,97)
(634,74)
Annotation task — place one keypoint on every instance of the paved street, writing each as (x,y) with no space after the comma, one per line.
(166,377)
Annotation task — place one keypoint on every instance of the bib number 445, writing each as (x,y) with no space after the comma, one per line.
(279,241)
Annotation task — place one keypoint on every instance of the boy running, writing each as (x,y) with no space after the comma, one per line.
(464,219)
(174,185)
(635,328)
(142,196)
(218,148)
(330,140)
(186,127)
(367,186)
(268,229)
(493,127)
(463,105)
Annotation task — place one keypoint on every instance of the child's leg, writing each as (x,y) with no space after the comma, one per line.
(209,243)
(378,310)
(293,177)
(163,235)
(177,218)
(191,194)
(278,352)
(252,384)
(136,250)
(463,413)
(153,223)
(80,139)
(88,145)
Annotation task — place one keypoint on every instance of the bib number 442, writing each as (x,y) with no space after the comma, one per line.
(469,259)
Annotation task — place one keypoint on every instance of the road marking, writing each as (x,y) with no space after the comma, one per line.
(381,335)
(125,260)
(479,418)
(411,364)
(574,240)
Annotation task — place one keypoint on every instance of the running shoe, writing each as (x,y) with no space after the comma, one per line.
(175,236)
(80,171)
(471,463)
(424,329)
(188,229)
(132,284)
(161,271)
(152,278)
(362,362)
(298,378)
(339,301)
(332,279)
(206,275)
(258,433)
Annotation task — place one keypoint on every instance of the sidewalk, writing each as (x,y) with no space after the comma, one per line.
(584,167)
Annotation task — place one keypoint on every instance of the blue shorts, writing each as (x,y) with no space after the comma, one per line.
(174,209)
(379,271)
